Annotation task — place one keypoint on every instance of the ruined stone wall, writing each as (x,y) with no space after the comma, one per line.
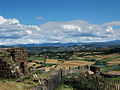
(13,62)
(50,83)
(5,71)
(19,56)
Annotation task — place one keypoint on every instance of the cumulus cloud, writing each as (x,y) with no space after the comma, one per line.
(8,21)
(13,32)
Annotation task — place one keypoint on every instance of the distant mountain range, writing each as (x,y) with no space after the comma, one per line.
(43,45)
(114,43)
(38,48)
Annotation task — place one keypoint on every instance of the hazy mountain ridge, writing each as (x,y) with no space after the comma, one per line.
(97,44)
(38,48)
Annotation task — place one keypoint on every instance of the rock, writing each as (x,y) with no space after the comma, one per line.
(19,80)
(30,82)
(35,80)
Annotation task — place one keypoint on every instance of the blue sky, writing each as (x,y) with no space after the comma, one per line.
(63,21)
(94,11)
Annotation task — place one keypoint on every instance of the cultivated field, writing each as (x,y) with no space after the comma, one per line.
(52,61)
(114,72)
(68,64)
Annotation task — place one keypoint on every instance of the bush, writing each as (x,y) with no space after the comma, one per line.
(83,82)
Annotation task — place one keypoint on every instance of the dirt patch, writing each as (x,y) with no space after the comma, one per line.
(114,72)
(52,61)
(114,62)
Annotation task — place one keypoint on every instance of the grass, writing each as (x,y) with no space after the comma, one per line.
(46,64)
(117,57)
(38,59)
(43,76)
(24,84)
(110,68)
(106,59)
(64,87)
(115,78)
(104,69)
(117,68)
(12,85)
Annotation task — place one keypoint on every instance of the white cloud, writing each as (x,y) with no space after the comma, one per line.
(71,27)
(109,29)
(2,20)
(8,21)
(12,32)
(39,17)
(113,23)
(29,32)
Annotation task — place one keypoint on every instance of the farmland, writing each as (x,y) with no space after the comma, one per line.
(106,62)
(43,66)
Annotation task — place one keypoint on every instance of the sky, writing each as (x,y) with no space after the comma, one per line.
(53,21)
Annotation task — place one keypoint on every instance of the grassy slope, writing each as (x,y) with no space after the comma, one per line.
(64,87)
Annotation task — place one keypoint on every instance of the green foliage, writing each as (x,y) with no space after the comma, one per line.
(3,53)
(84,82)
(117,68)
(101,62)
(57,54)
(115,78)
(110,68)
(26,78)
(38,59)
(64,87)
(47,64)
(39,71)
(105,69)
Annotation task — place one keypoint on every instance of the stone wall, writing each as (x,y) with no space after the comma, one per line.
(56,79)
(13,62)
